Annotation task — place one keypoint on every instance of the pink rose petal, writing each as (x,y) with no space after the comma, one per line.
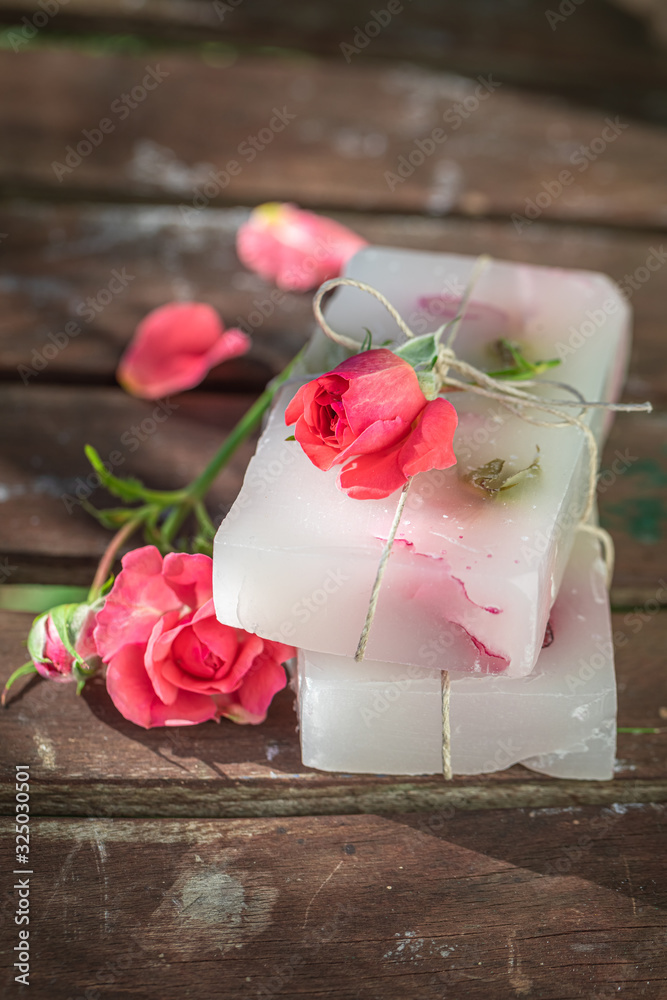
(295,248)
(175,347)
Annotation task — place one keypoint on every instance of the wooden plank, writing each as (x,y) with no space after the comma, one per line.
(86,759)
(58,257)
(543,903)
(493,156)
(602,55)
(45,473)
(58,265)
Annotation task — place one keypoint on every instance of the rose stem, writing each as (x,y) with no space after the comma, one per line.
(107,560)
(246,425)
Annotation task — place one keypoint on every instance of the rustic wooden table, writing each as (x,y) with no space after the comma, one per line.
(208,862)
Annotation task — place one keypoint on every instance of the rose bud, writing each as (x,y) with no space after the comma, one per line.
(62,645)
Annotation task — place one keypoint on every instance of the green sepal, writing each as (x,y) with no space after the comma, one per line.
(37,638)
(107,585)
(419,350)
(428,384)
(82,674)
(290,438)
(367,341)
(68,620)
(63,619)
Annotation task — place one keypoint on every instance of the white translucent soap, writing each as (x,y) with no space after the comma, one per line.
(385,718)
(472,576)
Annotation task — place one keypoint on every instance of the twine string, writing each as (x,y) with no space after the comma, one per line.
(382,565)
(513,398)
(339,338)
(445,693)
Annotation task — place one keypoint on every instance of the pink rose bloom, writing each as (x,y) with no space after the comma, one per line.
(370,416)
(170,661)
(296,249)
(51,657)
(175,347)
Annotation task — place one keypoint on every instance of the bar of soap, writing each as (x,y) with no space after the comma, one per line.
(471,575)
(385,718)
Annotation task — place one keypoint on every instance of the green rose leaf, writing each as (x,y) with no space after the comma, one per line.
(519,368)
(124,489)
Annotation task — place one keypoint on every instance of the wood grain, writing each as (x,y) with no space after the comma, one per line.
(495,154)
(602,55)
(87,760)
(543,903)
(57,257)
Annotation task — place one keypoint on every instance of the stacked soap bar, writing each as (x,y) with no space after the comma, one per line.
(560,720)
(473,575)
